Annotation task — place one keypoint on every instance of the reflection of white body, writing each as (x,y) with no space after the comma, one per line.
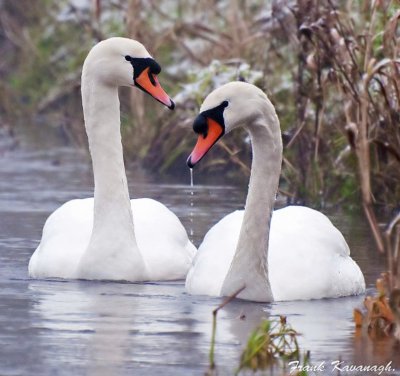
(308,257)
(110,341)
(98,238)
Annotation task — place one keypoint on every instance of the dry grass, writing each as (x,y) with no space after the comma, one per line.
(381,317)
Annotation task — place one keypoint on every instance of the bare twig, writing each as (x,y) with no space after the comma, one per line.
(214,324)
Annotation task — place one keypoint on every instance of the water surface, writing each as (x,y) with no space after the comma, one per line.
(102,328)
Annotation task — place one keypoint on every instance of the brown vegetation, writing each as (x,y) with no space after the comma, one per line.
(381,317)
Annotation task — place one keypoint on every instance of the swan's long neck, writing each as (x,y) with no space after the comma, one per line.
(249,266)
(112,249)
(102,121)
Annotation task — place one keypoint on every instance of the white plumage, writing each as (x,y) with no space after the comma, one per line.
(160,236)
(288,254)
(109,237)
(308,257)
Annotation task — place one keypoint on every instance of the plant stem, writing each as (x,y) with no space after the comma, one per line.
(214,324)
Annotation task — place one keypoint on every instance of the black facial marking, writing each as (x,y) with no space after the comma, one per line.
(200,125)
(154,67)
(139,64)
(151,78)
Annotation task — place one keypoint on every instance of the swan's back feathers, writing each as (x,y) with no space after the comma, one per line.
(308,257)
(162,240)
(214,256)
(65,237)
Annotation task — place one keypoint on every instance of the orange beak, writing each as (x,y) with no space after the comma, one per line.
(148,82)
(205,142)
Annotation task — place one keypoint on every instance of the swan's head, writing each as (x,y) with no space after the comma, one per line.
(228,107)
(125,62)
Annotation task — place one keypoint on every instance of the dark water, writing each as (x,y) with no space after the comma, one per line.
(94,328)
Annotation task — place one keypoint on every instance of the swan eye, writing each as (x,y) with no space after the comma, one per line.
(128,58)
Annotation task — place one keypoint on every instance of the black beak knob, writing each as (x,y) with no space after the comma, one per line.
(200,125)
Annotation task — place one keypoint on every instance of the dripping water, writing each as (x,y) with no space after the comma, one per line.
(191,205)
(191,180)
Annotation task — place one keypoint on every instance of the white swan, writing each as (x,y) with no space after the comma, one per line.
(308,257)
(98,238)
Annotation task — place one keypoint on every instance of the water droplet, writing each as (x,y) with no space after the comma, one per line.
(191,205)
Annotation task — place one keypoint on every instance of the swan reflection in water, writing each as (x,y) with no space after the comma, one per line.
(105,327)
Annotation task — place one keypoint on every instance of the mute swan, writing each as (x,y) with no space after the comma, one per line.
(297,255)
(97,238)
